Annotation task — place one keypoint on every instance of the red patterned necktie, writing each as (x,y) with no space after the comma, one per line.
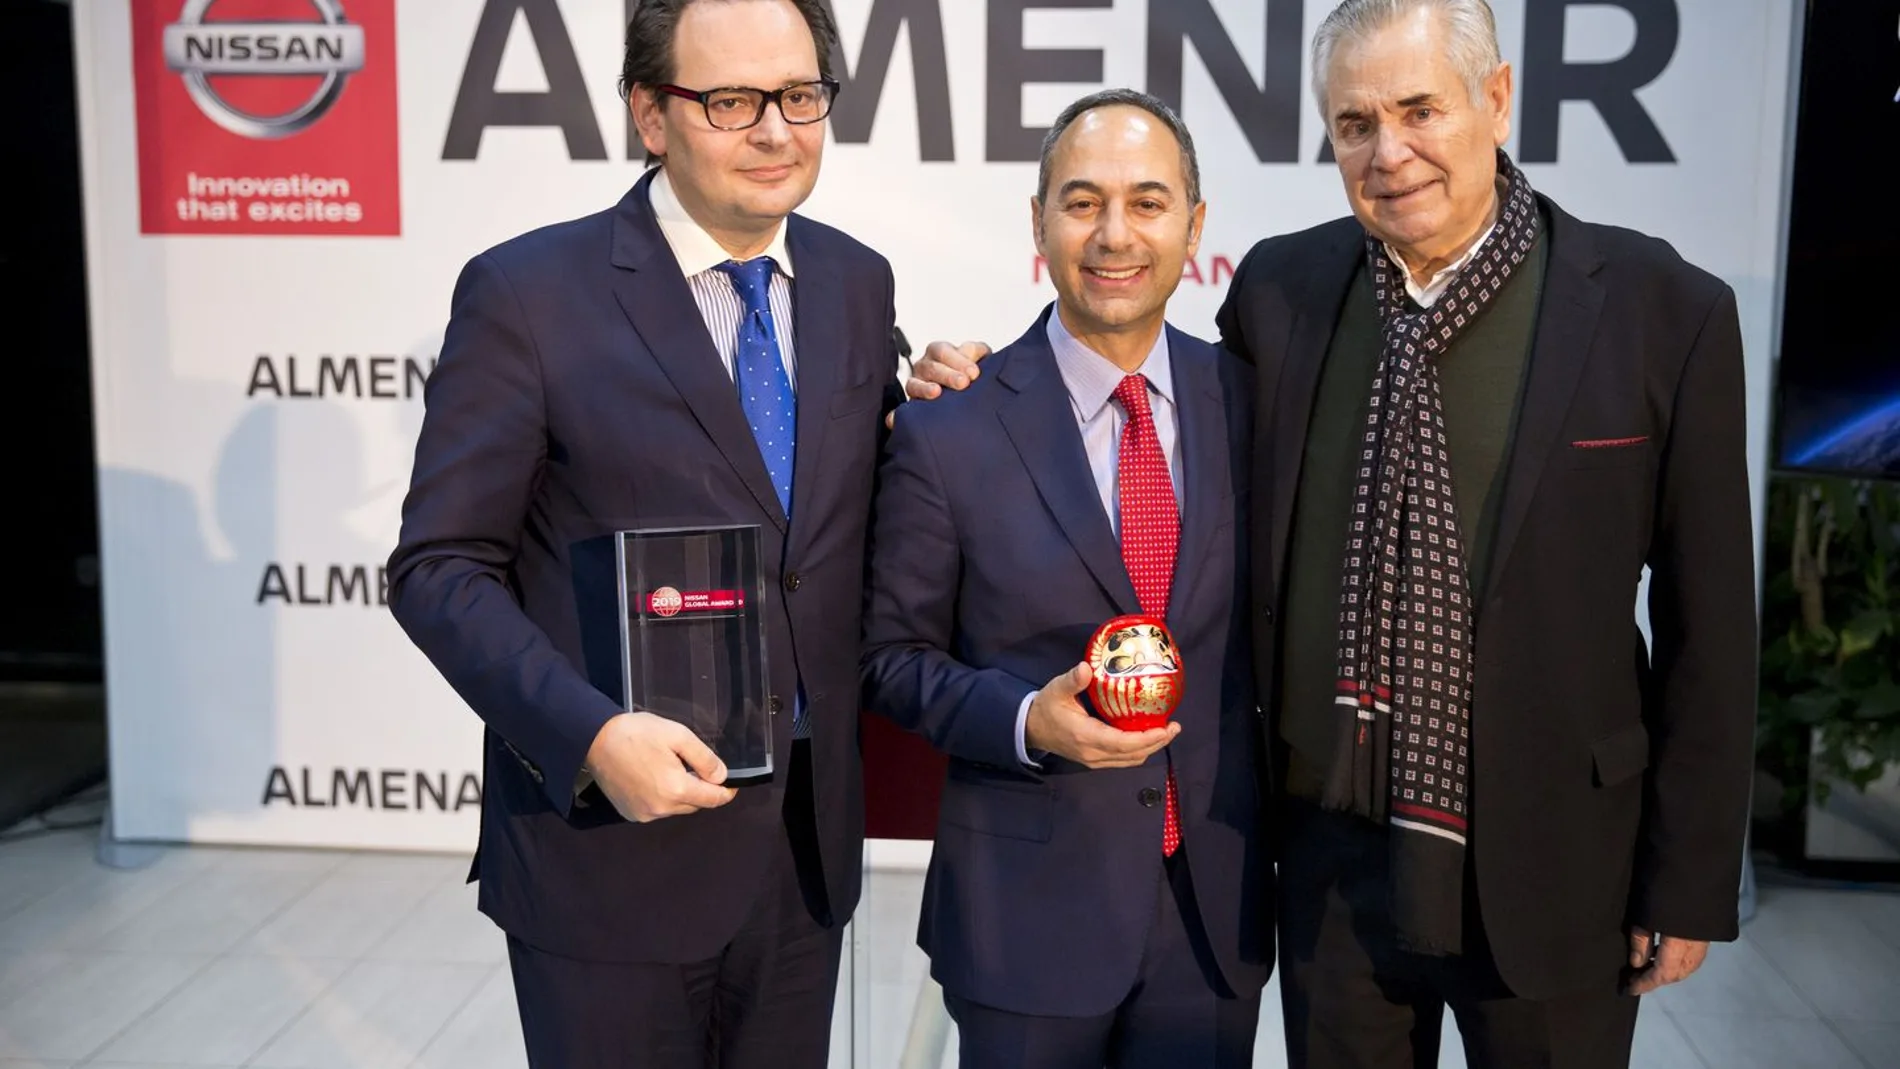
(1151,530)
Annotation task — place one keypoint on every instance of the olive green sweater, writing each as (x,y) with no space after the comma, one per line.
(1480,378)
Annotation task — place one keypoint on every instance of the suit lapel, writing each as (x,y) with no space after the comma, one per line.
(1040,423)
(818,315)
(1316,313)
(660,306)
(1566,327)
(1201,423)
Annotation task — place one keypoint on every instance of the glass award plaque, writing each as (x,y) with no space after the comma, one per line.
(693,638)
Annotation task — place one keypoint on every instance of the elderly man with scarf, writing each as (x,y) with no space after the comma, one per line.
(1480,420)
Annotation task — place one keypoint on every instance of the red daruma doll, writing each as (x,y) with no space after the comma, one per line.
(1136,673)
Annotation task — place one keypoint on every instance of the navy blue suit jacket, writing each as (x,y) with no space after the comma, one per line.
(993,563)
(578,393)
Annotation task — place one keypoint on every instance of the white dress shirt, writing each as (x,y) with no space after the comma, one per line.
(1427,295)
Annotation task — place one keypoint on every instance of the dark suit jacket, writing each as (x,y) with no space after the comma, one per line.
(1609,784)
(578,393)
(993,564)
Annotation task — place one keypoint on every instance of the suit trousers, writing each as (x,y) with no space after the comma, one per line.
(765,1002)
(1352,999)
(1180,1012)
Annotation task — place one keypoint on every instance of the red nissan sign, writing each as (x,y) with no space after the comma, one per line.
(266,116)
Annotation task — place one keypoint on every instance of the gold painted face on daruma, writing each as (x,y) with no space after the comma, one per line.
(1137,673)
(1139,650)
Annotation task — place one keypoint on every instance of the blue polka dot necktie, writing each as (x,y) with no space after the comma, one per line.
(765,391)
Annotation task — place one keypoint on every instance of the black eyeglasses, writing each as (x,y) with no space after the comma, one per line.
(739,107)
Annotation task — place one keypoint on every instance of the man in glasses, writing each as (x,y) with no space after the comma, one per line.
(695,356)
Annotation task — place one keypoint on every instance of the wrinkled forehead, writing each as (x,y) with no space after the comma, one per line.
(1391,67)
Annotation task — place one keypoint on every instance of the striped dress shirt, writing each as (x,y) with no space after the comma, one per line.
(719,303)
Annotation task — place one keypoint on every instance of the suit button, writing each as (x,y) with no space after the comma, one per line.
(1149,797)
(1266,613)
(792,580)
(775,705)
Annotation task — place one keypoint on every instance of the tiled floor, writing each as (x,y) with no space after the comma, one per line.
(319,960)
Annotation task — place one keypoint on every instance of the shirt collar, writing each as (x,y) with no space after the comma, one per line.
(695,249)
(1427,292)
(1092,377)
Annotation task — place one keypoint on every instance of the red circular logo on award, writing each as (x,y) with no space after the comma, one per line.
(1136,673)
(665,602)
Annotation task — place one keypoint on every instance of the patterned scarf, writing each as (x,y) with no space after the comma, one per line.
(1404,692)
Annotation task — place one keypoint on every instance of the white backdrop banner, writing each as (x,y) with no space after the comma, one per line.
(280,194)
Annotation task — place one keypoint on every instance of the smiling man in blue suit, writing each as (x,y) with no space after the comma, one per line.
(695,355)
(1095,897)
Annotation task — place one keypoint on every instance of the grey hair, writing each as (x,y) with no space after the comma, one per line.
(1190,164)
(1470,30)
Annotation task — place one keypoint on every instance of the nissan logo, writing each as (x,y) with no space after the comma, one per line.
(329,47)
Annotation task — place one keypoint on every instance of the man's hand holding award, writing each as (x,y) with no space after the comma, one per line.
(699,718)
(651,767)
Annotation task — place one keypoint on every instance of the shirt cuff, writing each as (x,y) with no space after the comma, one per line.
(1022,734)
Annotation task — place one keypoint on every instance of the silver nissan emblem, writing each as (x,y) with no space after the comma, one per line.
(331,47)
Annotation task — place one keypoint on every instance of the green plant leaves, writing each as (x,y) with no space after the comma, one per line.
(1830,699)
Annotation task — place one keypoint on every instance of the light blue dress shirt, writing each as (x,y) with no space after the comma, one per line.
(1091,379)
